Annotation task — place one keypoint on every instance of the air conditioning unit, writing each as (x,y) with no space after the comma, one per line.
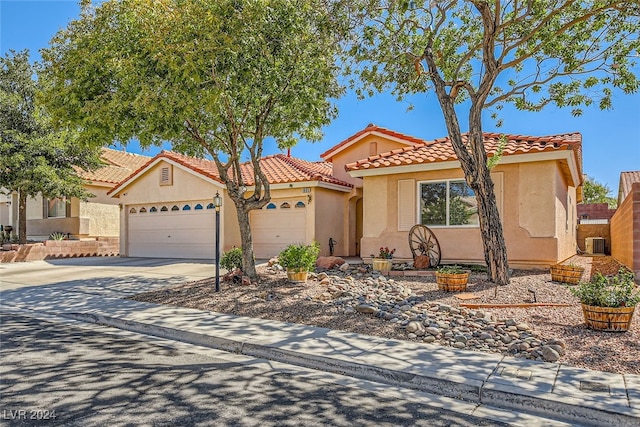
(594,245)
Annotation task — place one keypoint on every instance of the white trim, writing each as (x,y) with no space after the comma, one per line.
(420,167)
(455,164)
(448,182)
(131,179)
(377,133)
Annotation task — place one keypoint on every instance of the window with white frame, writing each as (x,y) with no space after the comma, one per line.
(56,208)
(450,203)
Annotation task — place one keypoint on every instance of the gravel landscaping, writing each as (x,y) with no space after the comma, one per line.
(412,308)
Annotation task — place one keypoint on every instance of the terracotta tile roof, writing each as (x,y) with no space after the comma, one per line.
(627,179)
(410,140)
(278,168)
(118,166)
(441,150)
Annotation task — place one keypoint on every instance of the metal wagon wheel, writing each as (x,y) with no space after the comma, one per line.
(422,241)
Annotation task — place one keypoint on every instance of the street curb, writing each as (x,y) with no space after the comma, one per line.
(474,391)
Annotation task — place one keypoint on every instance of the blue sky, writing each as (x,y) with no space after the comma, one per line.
(611,139)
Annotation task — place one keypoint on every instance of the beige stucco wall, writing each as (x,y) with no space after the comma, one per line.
(34,207)
(358,151)
(566,217)
(528,205)
(329,208)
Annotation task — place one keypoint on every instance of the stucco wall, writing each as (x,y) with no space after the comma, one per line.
(34,207)
(329,207)
(358,151)
(526,196)
(566,216)
(625,231)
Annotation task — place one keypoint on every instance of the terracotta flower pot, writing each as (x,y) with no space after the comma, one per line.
(610,319)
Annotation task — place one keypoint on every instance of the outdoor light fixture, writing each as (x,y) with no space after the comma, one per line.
(217,204)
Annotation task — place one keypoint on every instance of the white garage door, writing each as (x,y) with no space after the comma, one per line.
(177,230)
(277,225)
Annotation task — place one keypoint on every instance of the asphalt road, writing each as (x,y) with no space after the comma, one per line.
(56,372)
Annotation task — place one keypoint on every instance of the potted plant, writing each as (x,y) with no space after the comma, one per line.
(382,262)
(566,273)
(608,303)
(452,278)
(299,260)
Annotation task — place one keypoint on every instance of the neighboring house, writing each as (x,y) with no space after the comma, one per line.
(594,234)
(625,223)
(168,210)
(537,185)
(99,216)
(594,213)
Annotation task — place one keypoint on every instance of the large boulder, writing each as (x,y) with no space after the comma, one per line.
(328,262)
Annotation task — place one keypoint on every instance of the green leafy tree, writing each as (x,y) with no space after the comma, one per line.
(213,77)
(35,158)
(595,192)
(481,54)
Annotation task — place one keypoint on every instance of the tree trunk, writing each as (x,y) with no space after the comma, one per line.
(495,249)
(248,257)
(22,217)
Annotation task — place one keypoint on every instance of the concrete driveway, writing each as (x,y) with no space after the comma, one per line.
(125,276)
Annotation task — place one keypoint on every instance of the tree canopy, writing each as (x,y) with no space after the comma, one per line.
(213,77)
(35,158)
(596,192)
(477,55)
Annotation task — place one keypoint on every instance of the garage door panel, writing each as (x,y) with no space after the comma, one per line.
(275,229)
(175,234)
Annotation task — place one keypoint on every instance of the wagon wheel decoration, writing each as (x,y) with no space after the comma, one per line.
(422,241)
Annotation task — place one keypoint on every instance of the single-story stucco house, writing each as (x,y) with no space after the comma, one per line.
(97,217)
(367,192)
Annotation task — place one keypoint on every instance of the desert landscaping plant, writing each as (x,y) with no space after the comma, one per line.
(57,236)
(618,290)
(232,260)
(299,257)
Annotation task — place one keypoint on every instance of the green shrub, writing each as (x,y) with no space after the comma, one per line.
(232,259)
(57,236)
(614,291)
(300,257)
(451,269)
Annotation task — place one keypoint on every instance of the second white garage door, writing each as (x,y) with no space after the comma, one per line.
(276,226)
(180,230)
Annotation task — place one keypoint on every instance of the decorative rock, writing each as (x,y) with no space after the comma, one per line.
(421,262)
(429,339)
(549,354)
(328,262)
(272,261)
(414,326)
(433,331)
(523,327)
(326,281)
(344,267)
(322,276)
(366,308)
(459,344)
(246,280)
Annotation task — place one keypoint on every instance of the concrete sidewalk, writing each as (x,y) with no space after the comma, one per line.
(573,395)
